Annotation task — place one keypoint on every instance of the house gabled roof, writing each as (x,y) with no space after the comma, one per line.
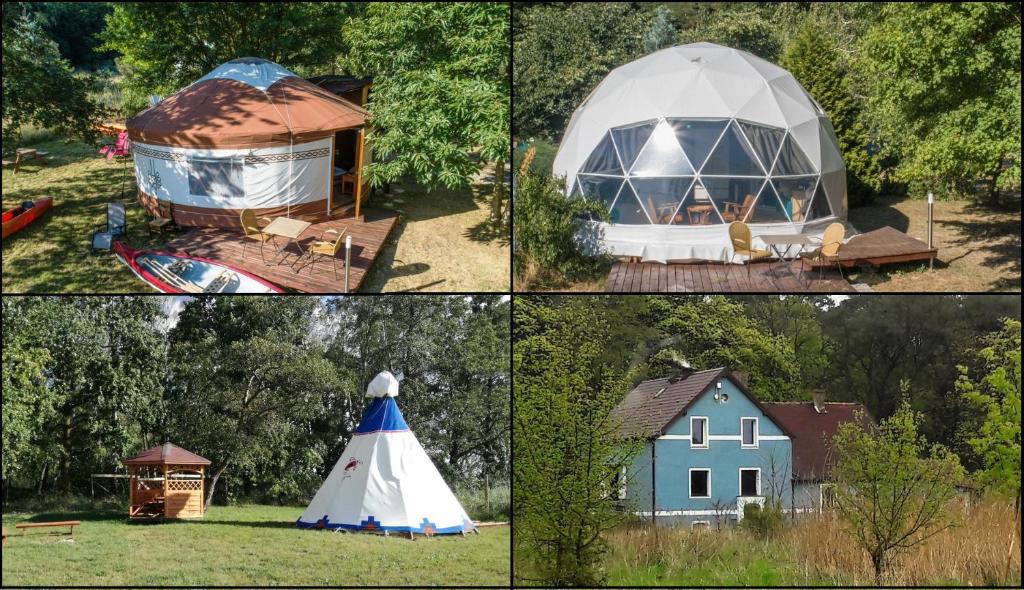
(813,431)
(652,405)
(166,454)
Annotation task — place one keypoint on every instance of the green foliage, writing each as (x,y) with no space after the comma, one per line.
(441,88)
(75,27)
(165,46)
(798,321)
(567,453)
(997,392)
(763,522)
(39,86)
(943,86)
(892,486)
(662,32)
(550,231)
(814,59)
(543,157)
(562,52)
(745,28)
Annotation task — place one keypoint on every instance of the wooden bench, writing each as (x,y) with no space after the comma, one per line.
(71,524)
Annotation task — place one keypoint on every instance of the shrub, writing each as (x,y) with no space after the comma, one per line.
(764,522)
(549,231)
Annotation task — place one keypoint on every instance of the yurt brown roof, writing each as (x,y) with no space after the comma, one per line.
(245,103)
(166,454)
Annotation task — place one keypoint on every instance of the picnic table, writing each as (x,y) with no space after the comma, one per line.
(289,228)
(71,524)
(23,154)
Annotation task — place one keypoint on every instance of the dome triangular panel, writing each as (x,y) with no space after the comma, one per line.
(661,156)
(603,160)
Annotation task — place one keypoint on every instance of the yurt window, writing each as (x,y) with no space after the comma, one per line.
(216,177)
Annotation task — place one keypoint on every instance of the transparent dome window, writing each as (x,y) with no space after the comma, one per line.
(702,172)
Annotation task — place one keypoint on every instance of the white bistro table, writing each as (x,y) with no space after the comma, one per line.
(290,229)
(781,244)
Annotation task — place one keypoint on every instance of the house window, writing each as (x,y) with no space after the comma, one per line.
(216,177)
(698,433)
(700,483)
(700,525)
(748,433)
(750,482)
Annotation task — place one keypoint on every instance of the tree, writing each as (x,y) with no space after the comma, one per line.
(561,55)
(75,27)
(997,392)
(814,59)
(247,378)
(166,46)
(39,86)
(943,84)
(742,27)
(568,456)
(892,487)
(441,91)
(662,32)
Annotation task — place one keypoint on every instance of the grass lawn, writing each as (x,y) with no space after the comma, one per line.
(442,243)
(244,545)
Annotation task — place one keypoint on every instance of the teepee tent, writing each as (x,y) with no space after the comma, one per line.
(682,142)
(384,481)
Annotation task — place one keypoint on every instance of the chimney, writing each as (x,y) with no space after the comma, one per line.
(683,370)
(819,401)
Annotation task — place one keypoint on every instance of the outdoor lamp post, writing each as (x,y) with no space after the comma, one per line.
(348,258)
(931,207)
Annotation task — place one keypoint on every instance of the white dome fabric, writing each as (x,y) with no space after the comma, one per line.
(383,385)
(682,142)
(256,72)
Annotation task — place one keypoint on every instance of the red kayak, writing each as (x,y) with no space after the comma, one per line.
(16,219)
(168,272)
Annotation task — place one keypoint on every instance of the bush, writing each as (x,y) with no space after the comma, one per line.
(548,227)
(764,522)
(543,157)
(474,501)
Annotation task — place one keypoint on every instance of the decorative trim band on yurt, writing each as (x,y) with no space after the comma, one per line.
(229,218)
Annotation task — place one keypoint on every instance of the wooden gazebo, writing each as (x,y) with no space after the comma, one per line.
(166,482)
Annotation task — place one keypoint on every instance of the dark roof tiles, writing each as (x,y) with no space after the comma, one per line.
(813,432)
(166,454)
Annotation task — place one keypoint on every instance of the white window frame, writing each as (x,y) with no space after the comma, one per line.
(706,523)
(739,481)
(707,432)
(689,483)
(757,432)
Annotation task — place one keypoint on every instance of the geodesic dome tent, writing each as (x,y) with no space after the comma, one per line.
(684,141)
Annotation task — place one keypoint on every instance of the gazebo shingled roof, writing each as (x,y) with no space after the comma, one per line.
(166,454)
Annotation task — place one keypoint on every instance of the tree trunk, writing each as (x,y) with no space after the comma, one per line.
(63,467)
(878,563)
(499,191)
(487,494)
(213,486)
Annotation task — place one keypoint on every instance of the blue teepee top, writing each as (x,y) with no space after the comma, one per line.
(383,415)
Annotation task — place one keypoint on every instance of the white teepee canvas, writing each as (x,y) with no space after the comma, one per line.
(385,481)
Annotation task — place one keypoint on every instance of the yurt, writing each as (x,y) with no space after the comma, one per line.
(384,481)
(250,135)
(681,143)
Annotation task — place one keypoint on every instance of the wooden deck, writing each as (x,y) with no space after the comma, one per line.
(886,245)
(654,277)
(368,237)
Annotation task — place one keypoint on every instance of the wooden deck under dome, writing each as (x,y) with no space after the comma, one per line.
(655,277)
(368,237)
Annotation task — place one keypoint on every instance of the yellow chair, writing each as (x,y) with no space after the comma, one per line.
(828,252)
(739,235)
(325,247)
(253,231)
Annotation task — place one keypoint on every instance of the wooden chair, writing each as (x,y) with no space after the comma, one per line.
(164,218)
(253,231)
(662,213)
(739,235)
(828,253)
(737,211)
(325,247)
(348,180)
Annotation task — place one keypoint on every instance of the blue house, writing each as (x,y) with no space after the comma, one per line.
(710,447)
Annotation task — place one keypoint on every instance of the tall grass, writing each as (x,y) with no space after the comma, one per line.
(495,508)
(815,551)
